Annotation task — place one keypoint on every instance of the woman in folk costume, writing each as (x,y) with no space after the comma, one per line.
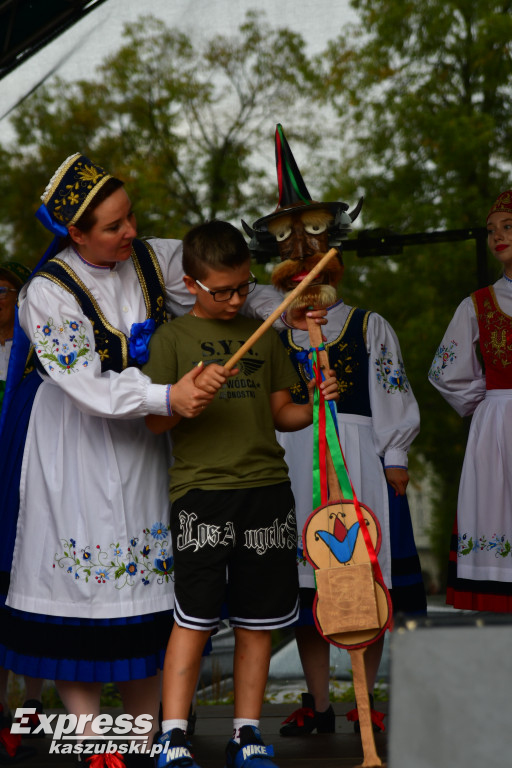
(480,564)
(91,592)
(378,418)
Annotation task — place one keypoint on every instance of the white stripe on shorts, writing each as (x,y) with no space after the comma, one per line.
(191,622)
(274,623)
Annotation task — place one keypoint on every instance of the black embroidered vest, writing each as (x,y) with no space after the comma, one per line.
(112,342)
(348,357)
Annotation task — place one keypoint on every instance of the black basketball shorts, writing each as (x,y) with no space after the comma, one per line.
(237,547)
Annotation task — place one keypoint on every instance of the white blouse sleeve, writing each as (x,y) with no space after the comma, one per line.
(395,412)
(169,253)
(63,338)
(456,371)
(262,302)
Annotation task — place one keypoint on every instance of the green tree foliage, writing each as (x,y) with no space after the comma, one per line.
(424,89)
(181,124)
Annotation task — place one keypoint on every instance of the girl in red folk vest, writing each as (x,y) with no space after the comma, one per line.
(480,568)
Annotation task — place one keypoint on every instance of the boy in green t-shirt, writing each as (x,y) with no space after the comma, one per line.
(232,507)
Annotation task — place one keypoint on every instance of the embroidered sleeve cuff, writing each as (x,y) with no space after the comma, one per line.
(395,457)
(157,399)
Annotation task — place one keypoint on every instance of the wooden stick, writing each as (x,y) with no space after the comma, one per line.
(371,758)
(280,309)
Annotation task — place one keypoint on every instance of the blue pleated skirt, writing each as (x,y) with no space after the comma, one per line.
(86,650)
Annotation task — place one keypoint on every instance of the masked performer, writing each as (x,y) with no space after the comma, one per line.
(378,418)
(480,564)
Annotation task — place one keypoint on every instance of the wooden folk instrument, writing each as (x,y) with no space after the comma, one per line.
(352,608)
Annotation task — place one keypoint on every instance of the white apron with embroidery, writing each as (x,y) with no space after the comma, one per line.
(484,510)
(92,537)
(364,440)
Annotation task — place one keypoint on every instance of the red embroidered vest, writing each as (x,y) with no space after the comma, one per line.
(495,339)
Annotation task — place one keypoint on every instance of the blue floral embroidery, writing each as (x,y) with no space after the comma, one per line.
(101,575)
(159,531)
(65,349)
(443,357)
(164,566)
(391,376)
(499,545)
(123,567)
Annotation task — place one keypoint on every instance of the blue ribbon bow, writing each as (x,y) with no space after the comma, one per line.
(53,226)
(304,359)
(138,343)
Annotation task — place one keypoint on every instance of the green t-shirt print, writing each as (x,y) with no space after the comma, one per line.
(232,443)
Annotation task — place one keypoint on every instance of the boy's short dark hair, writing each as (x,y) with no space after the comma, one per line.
(213,245)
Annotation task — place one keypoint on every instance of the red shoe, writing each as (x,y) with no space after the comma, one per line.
(11,749)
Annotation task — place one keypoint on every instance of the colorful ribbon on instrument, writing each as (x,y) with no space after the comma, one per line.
(326,437)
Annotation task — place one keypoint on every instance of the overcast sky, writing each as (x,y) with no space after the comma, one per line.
(78,51)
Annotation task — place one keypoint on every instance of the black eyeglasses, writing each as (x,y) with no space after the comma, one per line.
(226,294)
(4,291)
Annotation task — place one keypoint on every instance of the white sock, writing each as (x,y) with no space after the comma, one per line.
(170,725)
(238,722)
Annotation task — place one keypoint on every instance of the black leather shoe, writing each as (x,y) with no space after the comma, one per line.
(305,720)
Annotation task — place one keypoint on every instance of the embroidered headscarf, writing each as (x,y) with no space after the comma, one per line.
(503,204)
(72,187)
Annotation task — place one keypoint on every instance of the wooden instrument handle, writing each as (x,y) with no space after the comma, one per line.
(371,758)
(280,309)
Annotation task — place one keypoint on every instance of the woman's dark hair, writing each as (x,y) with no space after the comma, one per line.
(213,245)
(88,218)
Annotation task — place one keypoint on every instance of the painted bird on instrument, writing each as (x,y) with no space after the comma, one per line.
(342,542)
